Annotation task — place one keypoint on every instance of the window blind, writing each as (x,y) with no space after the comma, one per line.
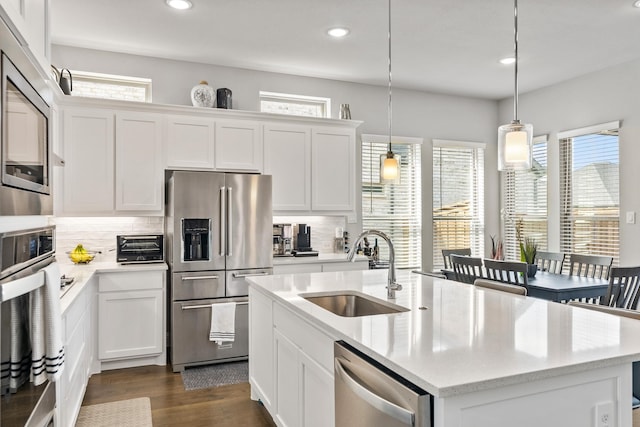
(589,194)
(525,203)
(458,200)
(395,209)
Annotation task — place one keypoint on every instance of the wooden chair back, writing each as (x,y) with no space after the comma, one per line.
(499,286)
(507,271)
(465,268)
(446,255)
(590,265)
(553,262)
(624,288)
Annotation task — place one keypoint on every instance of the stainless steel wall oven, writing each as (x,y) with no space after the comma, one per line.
(24,255)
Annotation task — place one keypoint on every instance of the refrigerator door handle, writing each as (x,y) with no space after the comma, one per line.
(229,221)
(223,222)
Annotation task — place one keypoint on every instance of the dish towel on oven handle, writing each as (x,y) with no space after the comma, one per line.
(223,319)
(46,328)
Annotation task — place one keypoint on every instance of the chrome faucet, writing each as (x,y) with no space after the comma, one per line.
(392,286)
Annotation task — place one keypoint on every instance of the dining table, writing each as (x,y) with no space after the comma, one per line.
(559,287)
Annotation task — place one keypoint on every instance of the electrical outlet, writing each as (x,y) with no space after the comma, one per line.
(631,217)
(604,414)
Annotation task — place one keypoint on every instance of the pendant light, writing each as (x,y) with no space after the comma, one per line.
(515,140)
(390,162)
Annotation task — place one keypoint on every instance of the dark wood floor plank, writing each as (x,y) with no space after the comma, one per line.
(171,405)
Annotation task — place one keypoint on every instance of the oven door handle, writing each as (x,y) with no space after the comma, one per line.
(24,285)
(241,276)
(187,278)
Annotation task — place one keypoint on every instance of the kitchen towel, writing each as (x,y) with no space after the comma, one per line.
(20,352)
(223,319)
(46,326)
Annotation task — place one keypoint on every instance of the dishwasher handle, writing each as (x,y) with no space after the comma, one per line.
(402,415)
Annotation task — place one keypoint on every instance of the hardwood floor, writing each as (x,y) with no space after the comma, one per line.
(171,405)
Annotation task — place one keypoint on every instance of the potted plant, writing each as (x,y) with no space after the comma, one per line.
(528,252)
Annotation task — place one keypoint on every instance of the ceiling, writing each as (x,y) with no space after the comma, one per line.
(443,46)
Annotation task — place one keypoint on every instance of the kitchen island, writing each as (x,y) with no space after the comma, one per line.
(488,358)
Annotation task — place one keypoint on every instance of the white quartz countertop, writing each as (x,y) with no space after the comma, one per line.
(466,339)
(81,274)
(321,258)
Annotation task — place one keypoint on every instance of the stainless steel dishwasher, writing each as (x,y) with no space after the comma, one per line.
(368,394)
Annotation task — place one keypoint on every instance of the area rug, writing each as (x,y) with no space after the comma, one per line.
(123,413)
(215,375)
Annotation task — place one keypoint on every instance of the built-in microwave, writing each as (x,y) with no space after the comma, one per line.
(25,174)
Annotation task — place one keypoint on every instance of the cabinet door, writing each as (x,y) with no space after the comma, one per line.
(316,394)
(238,146)
(130,324)
(89,161)
(287,158)
(190,142)
(261,372)
(287,379)
(333,169)
(139,173)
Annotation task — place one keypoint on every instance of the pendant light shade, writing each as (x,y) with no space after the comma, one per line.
(515,140)
(390,162)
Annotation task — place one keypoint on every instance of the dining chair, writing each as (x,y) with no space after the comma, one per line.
(446,254)
(431,274)
(466,269)
(624,287)
(500,286)
(624,312)
(550,261)
(590,265)
(507,271)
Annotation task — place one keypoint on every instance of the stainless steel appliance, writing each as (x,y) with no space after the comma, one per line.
(132,249)
(217,233)
(282,239)
(25,175)
(24,255)
(369,394)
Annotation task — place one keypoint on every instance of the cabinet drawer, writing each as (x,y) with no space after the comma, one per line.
(113,282)
(313,342)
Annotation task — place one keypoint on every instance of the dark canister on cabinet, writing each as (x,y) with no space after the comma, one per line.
(223,98)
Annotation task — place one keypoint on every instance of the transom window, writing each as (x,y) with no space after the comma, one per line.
(295,105)
(109,86)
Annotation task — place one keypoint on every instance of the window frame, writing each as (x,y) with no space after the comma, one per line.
(286,98)
(115,80)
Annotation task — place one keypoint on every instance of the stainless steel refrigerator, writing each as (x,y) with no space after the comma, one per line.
(218,230)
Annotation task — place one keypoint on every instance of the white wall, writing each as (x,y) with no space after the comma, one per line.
(608,95)
(415,114)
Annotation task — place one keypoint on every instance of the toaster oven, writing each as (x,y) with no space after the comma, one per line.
(140,248)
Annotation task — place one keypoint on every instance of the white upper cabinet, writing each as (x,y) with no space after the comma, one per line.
(139,172)
(89,161)
(238,145)
(333,169)
(287,158)
(190,143)
(28,20)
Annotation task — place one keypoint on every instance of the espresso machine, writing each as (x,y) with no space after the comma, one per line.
(282,239)
(302,245)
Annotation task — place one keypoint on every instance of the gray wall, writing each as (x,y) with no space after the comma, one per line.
(415,114)
(608,95)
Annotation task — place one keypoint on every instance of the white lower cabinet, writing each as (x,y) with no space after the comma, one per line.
(131,321)
(295,379)
(78,338)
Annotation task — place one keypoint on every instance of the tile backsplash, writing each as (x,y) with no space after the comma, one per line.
(99,233)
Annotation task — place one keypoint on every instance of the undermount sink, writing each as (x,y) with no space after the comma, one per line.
(352,304)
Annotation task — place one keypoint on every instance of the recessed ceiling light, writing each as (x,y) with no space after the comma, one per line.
(338,32)
(636,3)
(180,4)
(510,60)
